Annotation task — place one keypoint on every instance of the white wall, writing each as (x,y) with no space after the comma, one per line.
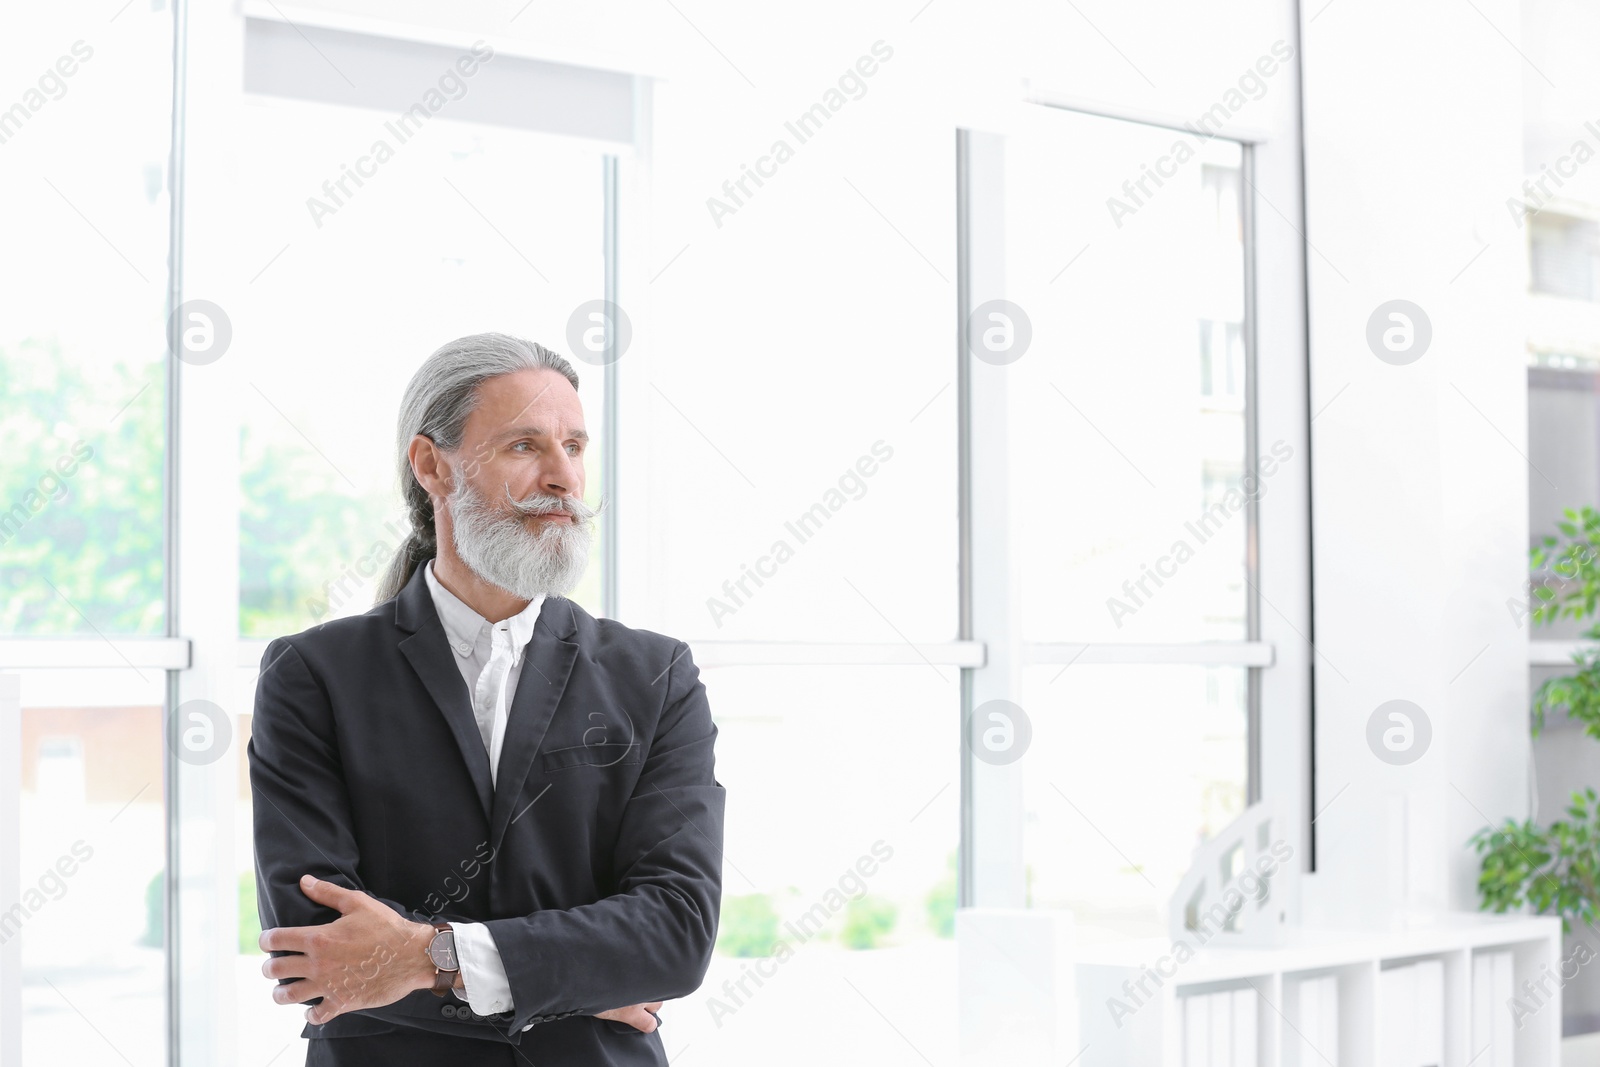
(1413,134)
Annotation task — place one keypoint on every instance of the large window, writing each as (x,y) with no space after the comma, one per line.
(800,532)
(859,916)
(864,526)
(1563,475)
(1129,421)
(92,861)
(801,439)
(466,225)
(1129,768)
(84,138)
(1130,430)
(81,339)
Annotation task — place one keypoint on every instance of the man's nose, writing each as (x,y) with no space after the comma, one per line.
(559,477)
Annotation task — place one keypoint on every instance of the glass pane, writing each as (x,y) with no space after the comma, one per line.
(1128,399)
(855,874)
(804,388)
(1563,473)
(92,843)
(82,339)
(1128,770)
(1564,457)
(466,229)
(1563,256)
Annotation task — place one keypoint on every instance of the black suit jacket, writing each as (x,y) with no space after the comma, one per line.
(596,860)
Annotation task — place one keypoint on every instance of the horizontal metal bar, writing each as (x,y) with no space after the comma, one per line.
(54,653)
(940,653)
(1197,653)
(1555,653)
(173,653)
(780,653)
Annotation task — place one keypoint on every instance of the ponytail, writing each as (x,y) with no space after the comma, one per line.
(421,545)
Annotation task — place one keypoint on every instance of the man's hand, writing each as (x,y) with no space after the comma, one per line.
(639,1016)
(368,957)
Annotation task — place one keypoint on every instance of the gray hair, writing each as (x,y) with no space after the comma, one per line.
(442,393)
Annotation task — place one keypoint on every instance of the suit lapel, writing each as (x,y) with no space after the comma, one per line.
(546,666)
(428,649)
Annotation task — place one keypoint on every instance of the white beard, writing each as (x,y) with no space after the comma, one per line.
(498,546)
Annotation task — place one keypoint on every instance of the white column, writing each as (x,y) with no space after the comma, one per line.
(203,558)
(992,800)
(1283,546)
(638,554)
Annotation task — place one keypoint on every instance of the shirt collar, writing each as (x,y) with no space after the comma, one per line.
(464,626)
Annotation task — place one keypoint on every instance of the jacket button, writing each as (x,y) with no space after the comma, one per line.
(448,1011)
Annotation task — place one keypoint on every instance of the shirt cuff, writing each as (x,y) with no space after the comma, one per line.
(483,974)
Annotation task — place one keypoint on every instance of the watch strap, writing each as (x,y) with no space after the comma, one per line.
(443,981)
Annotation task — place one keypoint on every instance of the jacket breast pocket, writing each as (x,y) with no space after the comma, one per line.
(606,754)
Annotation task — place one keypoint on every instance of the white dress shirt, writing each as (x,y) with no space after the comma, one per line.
(489,656)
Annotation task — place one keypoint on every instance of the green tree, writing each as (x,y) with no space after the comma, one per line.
(866,921)
(748,927)
(83,550)
(81,553)
(302,537)
(941,903)
(249,917)
(1555,869)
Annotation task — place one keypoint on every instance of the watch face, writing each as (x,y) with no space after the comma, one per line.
(442,951)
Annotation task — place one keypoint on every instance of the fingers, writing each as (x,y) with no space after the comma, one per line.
(654,1005)
(286,967)
(639,1018)
(330,1008)
(287,938)
(298,992)
(329,894)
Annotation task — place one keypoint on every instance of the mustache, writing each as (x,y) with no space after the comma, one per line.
(545,504)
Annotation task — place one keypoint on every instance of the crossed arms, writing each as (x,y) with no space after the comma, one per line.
(649,941)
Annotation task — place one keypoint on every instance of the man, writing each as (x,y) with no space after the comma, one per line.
(487,825)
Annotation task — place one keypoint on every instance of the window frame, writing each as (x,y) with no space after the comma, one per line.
(1278,649)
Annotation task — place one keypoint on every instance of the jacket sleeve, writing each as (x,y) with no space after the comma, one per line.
(302,812)
(652,939)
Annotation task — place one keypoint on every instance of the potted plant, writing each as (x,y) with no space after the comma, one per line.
(1555,869)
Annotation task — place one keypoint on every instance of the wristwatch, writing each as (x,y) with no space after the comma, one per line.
(442,954)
